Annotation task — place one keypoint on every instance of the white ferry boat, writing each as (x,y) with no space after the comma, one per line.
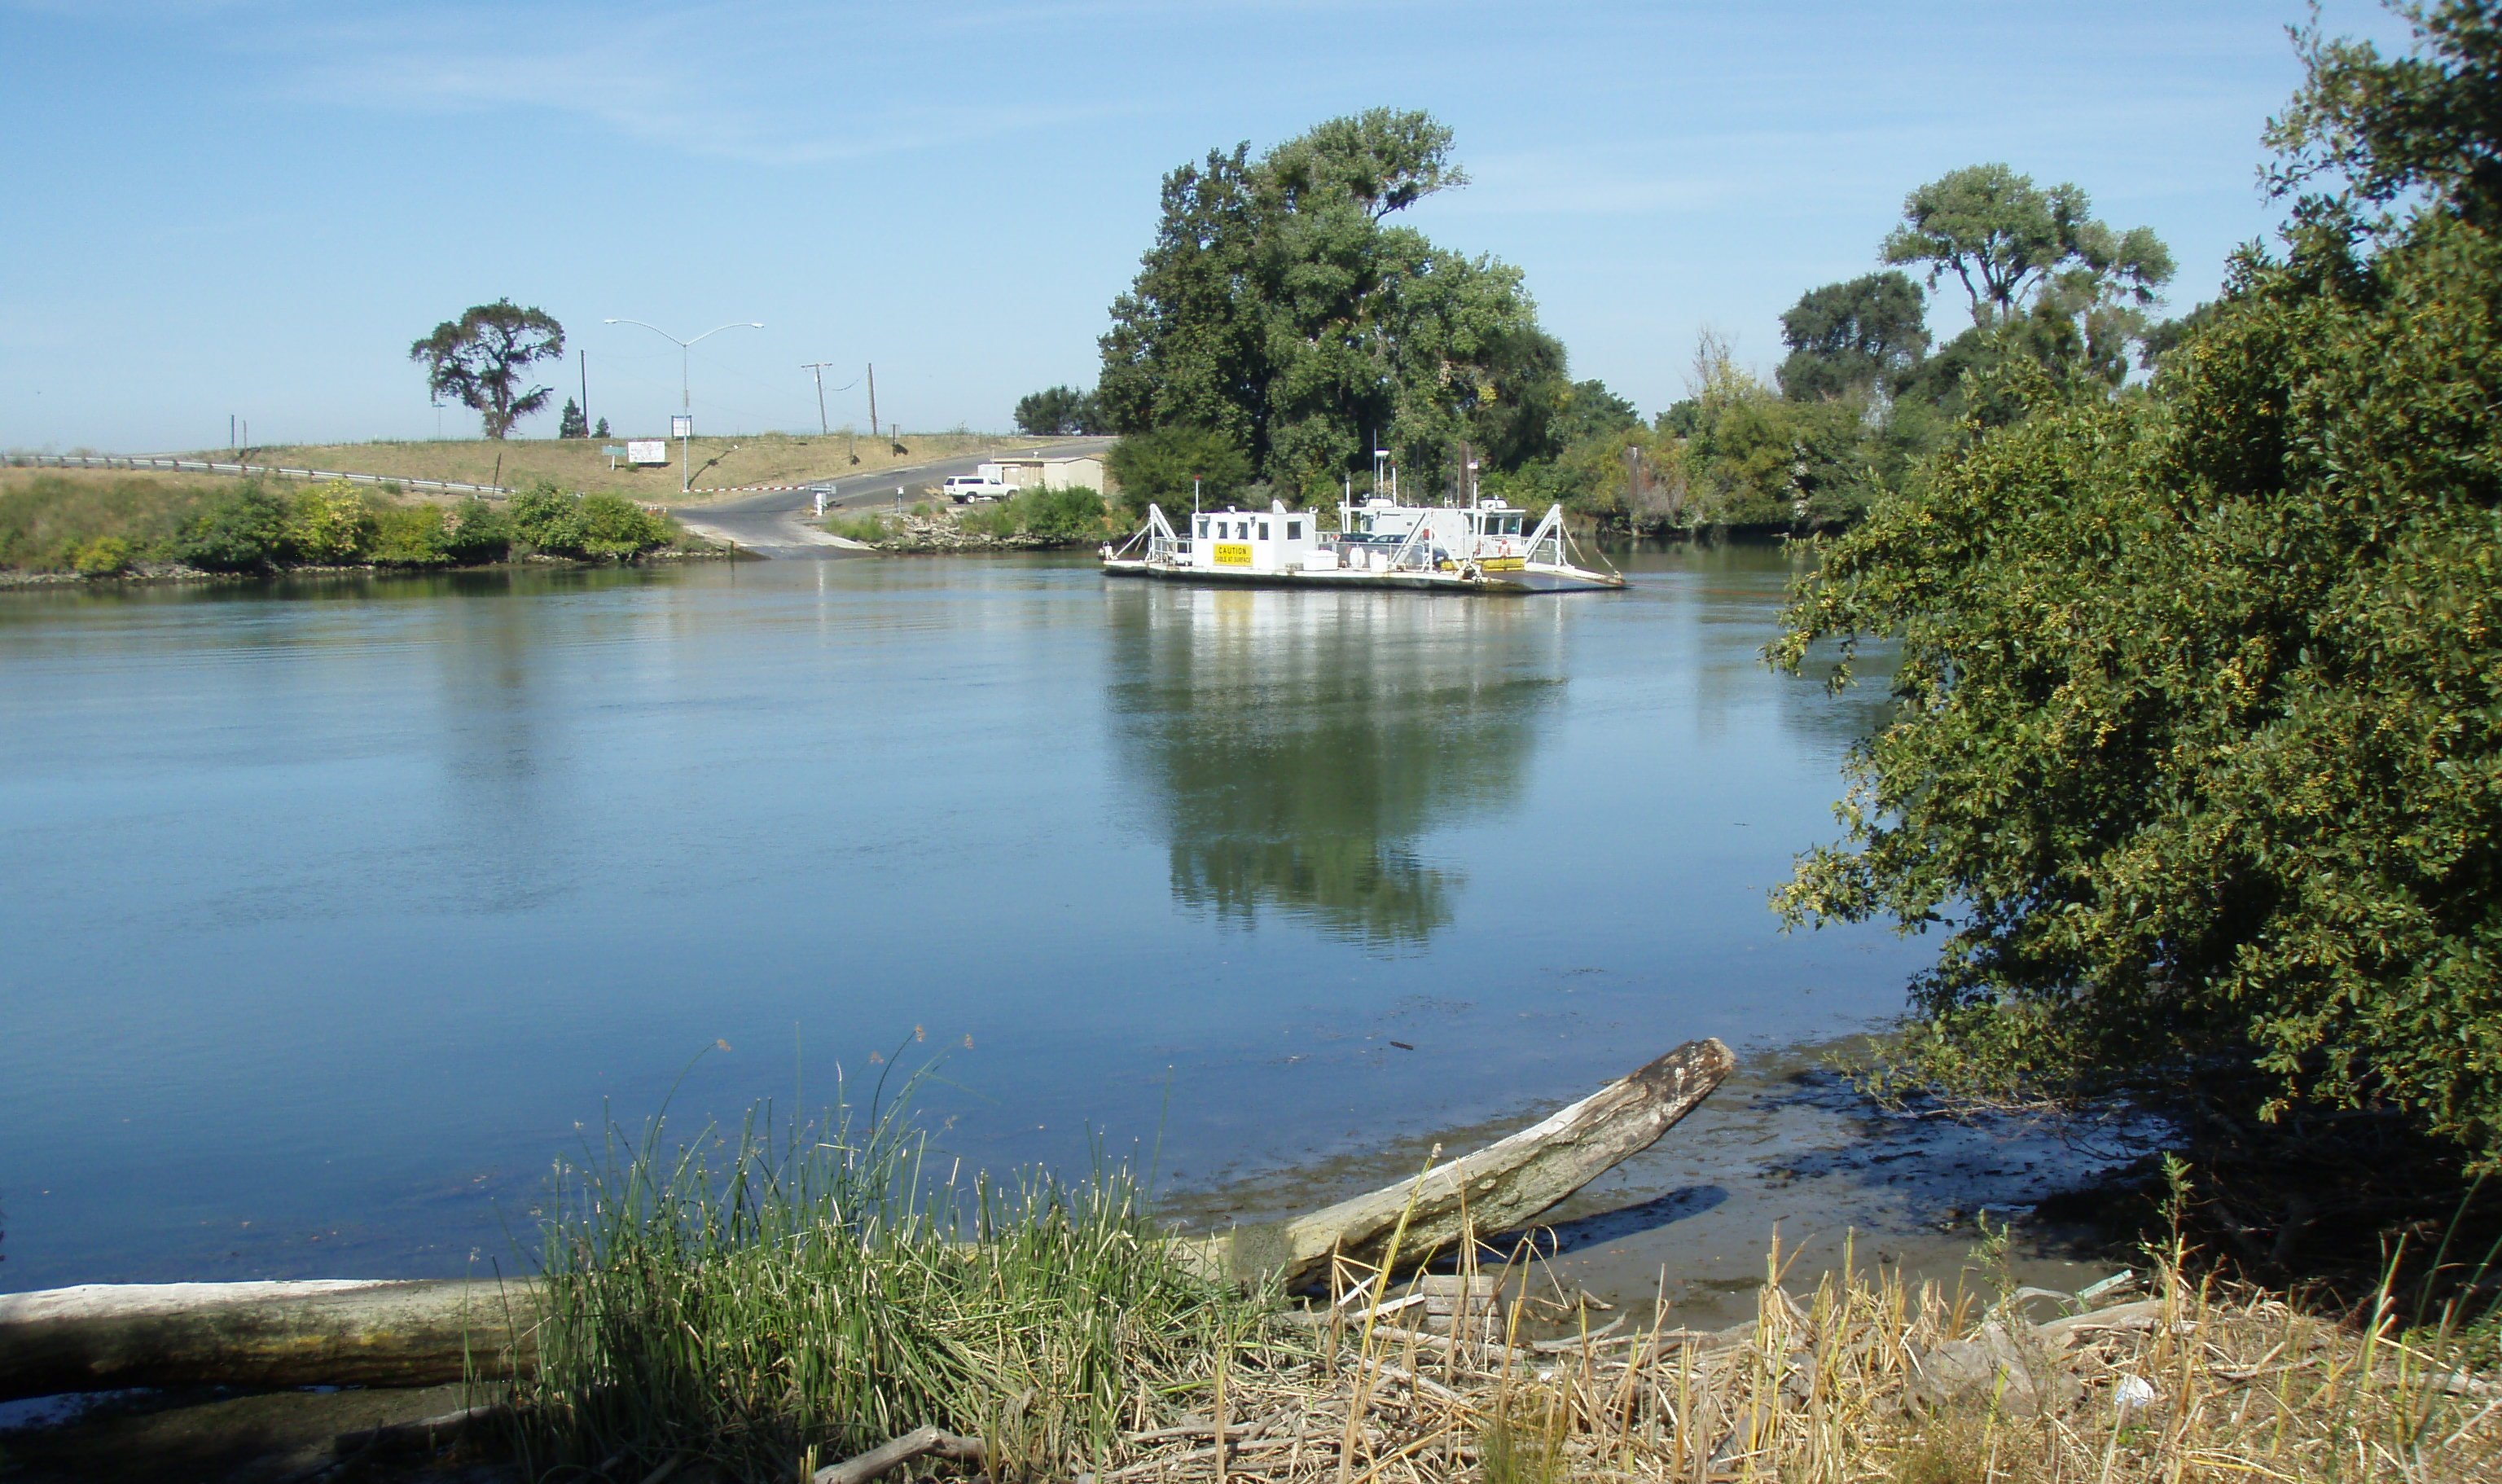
(1379,543)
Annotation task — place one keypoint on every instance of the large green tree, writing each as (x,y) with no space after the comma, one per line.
(1059,409)
(2198,755)
(1853,338)
(483,359)
(1281,308)
(2043,275)
(2004,238)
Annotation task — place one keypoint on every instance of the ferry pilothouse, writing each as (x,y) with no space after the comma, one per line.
(1379,543)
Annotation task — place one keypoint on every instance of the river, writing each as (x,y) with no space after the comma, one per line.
(337,909)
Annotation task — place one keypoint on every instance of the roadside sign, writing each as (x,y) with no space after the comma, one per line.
(681,426)
(647,450)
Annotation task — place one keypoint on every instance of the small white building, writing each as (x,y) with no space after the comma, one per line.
(1041,471)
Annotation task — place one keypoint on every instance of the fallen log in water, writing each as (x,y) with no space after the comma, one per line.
(101,1336)
(1499,1188)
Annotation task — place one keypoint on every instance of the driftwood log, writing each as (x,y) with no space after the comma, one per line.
(100,1336)
(1497,1189)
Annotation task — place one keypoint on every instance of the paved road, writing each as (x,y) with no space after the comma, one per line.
(778,523)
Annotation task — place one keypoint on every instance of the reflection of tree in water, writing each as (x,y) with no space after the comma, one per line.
(1304,742)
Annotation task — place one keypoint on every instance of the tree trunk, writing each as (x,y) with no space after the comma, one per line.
(103,1335)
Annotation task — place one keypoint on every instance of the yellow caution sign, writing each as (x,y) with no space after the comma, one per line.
(1233,554)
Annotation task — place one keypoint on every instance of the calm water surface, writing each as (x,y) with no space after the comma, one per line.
(333,911)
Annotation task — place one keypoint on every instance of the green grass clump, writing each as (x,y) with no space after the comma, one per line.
(871,529)
(749,1299)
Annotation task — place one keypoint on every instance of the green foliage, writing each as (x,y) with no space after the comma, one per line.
(570,422)
(481,360)
(243,529)
(2044,277)
(2006,239)
(551,521)
(1278,310)
(546,519)
(102,557)
(1590,410)
(2389,125)
(99,527)
(1853,339)
(1072,513)
(1060,410)
(2199,757)
(1157,467)
(616,528)
(1068,516)
(475,531)
(330,525)
(408,536)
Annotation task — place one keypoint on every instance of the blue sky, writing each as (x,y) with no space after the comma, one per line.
(253,206)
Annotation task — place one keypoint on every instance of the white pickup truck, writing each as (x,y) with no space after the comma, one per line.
(985,484)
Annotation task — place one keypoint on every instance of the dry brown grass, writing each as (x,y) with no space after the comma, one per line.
(1849,1382)
(764,459)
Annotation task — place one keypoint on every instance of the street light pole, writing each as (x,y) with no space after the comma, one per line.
(685,396)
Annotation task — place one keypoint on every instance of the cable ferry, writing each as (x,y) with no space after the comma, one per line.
(1379,543)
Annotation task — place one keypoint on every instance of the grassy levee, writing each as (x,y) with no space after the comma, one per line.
(574,463)
(786,1301)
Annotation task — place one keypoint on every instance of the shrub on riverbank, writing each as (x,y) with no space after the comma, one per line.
(100,527)
(611,526)
(2198,757)
(1069,516)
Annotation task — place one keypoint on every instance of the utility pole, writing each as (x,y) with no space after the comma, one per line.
(582,358)
(818,369)
(873,400)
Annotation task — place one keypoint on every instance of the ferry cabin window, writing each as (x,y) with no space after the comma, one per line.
(1202,527)
(1241,531)
(1264,530)
(1294,530)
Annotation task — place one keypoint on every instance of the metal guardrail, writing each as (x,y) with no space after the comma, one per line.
(206,466)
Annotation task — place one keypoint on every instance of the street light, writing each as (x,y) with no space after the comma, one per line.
(686,403)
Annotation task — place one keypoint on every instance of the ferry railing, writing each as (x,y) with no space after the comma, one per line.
(1550,534)
(1421,534)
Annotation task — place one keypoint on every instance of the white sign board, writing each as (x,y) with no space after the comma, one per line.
(681,426)
(647,450)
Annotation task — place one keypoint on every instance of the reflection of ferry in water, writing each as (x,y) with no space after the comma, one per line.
(1379,543)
